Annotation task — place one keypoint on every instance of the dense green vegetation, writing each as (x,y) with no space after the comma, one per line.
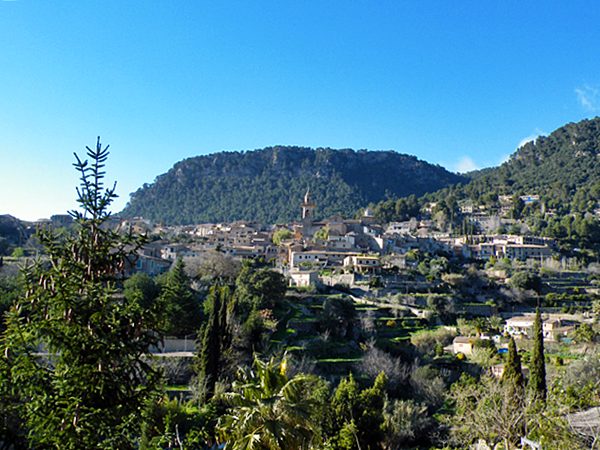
(13,234)
(73,372)
(563,169)
(280,368)
(557,167)
(268,185)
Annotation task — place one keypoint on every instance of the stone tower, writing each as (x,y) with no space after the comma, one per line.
(308,208)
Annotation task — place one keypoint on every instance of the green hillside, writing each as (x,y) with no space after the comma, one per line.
(267,185)
(560,171)
(563,168)
(13,233)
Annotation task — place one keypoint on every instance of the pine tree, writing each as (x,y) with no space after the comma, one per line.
(88,392)
(183,308)
(537,370)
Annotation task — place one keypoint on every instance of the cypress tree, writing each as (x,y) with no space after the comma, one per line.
(512,369)
(223,328)
(512,378)
(537,377)
(210,353)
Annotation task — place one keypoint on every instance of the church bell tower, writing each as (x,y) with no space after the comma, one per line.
(308,208)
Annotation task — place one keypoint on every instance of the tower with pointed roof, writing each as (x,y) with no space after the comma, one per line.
(308,207)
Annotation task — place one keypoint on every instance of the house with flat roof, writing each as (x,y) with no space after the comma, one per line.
(522,326)
(362,263)
(303,278)
(463,344)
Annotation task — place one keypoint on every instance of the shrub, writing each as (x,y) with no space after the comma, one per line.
(426,340)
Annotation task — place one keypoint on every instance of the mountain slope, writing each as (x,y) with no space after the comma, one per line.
(562,168)
(267,185)
(559,167)
(570,155)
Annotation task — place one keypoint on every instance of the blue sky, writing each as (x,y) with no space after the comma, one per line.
(458,83)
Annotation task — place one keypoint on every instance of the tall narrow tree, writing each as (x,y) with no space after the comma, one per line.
(212,339)
(537,369)
(224,329)
(514,393)
(89,390)
(512,369)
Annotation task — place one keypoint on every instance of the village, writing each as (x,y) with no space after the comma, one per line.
(300,226)
(364,296)
(454,298)
(303,250)
(395,264)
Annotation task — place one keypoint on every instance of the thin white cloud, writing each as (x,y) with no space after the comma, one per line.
(465,164)
(588,97)
(504,158)
(531,138)
(525,140)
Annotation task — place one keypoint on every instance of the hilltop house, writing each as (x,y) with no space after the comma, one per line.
(552,327)
(362,263)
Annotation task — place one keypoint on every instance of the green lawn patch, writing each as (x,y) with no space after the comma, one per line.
(338,360)
(304,319)
(178,388)
(294,348)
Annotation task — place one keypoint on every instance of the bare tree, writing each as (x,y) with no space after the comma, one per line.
(376,361)
(213,266)
(487,410)
(367,322)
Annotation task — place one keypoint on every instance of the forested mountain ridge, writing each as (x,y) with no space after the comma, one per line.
(562,167)
(558,175)
(267,185)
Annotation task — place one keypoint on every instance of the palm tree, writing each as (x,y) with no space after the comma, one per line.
(496,323)
(268,410)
